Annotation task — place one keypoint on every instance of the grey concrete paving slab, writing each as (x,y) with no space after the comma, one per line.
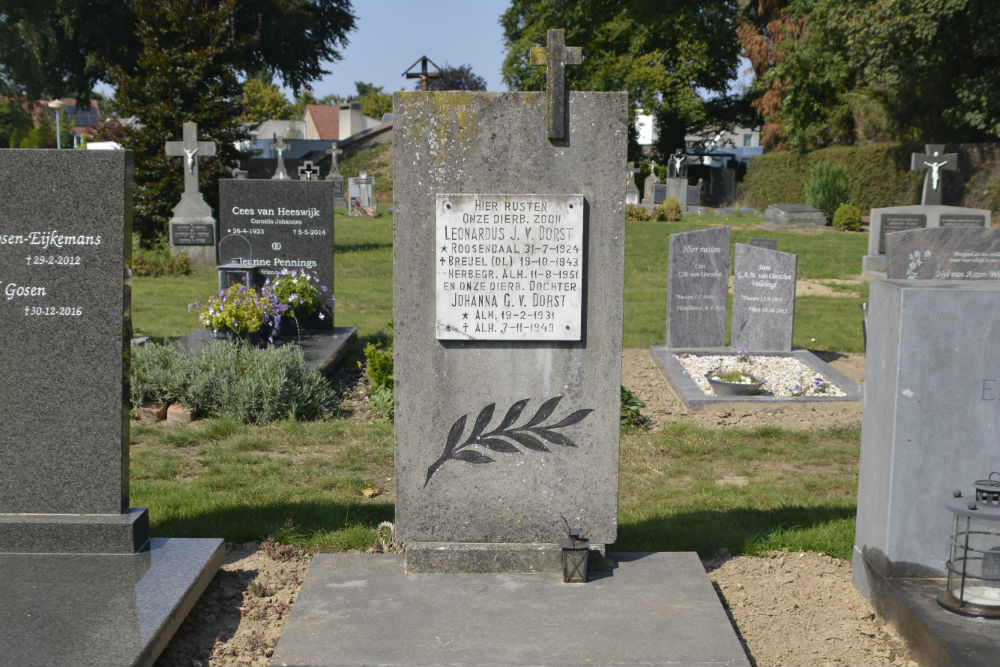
(652,609)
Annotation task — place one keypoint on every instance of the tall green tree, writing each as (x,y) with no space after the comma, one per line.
(185,71)
(670,58)
(65,47)
(374,102)
(264,101)
(455,78)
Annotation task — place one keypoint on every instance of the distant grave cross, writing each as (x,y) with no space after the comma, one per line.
(334,151)
(555,55)
(279,172)
(932,162)
(307,171)
(190,149)
(423,74)
(678,162)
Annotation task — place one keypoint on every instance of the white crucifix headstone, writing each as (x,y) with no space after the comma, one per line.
(307,171)
(932,162)
(280,173)
(190,149)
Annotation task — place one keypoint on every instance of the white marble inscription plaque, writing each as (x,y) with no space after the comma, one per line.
(509,267)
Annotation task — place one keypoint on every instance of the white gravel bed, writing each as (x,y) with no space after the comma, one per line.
(783,376)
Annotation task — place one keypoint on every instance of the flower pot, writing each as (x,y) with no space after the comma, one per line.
(723,388)
(288,327)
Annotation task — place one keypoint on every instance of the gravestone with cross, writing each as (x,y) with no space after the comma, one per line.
(631,189)
(678,164)
(933,161)
(359,194)
(280,174)
(192,227)
(336,178)
(649,185)
(424,74)
(307,171)
(240,173)
(508,265)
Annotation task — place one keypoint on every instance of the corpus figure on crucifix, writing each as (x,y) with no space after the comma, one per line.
(190,149)
(932,162)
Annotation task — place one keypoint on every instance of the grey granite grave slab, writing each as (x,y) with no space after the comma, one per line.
(277,224)
(932,405)
(793,216)
(944,253)
(65,243)
(652,609)
(68,610)
(514,486)
(933,635)
(761,242)
(694,399)
(763,299)
(698,288)
(883,221)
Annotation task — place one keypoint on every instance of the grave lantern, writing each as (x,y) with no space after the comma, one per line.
(575,551)
(973,565)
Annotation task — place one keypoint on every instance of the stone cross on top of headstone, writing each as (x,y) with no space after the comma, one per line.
(280,173)
(190,149)
(307,171)
(334,151)
(677,164)
(555,55)
(932,162)
(240,173)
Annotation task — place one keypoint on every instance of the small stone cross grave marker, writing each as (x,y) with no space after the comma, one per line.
(334,151)
(932,162)
(307,171)
(555,55)
(190,149)
(280,173)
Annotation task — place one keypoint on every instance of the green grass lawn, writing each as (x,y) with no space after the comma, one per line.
(683,487)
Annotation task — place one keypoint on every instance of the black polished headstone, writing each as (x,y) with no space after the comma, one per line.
(944,253)
(698,288)
(65,246)
(760,242)
(898,222)
(763,299)
(277,224)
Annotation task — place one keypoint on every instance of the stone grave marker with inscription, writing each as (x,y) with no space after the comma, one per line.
(192,227)
(698,288)
(793,216)
(763,299)
(83,582)
(632,194)
(762,242)
(277,224)
(649,185)
(336,178)
(884,221)
(359,194)
(944,253)
(508,280)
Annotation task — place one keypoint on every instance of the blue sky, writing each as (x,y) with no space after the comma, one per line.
(391,34)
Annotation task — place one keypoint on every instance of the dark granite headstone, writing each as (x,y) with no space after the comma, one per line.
(769,243)
(698,288)
(944,253)
(659,193)
(960,220)
(763,299)
(64,332)
(898,222)
(192,233)
(82,583)
(277,224)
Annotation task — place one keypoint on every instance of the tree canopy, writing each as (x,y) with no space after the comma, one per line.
(455,78)
(669,58)
(858,71)
(65,47)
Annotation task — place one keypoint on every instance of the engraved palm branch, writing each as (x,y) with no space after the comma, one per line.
(532,435)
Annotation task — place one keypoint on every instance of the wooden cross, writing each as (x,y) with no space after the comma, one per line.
(423,74)
(334,151)
(555,55)
(280,173)
(307,170)
(932,162)
(190,149)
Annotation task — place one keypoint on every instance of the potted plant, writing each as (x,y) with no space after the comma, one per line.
(240,312)
(737,379)
(299,302)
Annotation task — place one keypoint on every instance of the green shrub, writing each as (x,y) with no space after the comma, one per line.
(631,417)
(231,380)
(156,260)
(847,218)
(158,374)
(669,210)
(379,370)
(636,212)
(828,187)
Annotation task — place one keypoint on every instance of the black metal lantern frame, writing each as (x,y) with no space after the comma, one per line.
(575,553)
(973,566)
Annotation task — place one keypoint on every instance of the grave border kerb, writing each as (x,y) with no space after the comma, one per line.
(694,399)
